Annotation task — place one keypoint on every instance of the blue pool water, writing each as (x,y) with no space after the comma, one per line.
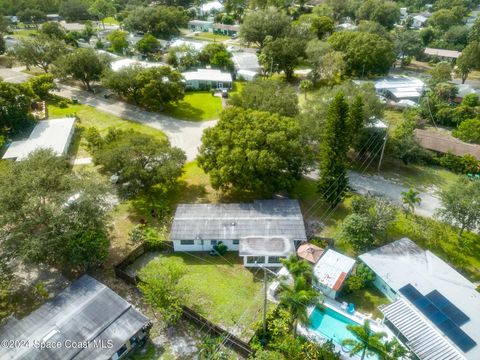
(331,324)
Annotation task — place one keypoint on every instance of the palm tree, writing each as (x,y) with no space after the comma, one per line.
(393,350)
(306,85)
(366,342)
(298,268)
(296,299)
(411,198)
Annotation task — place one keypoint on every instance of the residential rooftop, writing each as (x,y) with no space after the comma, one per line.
(262,218)
(452,54)
(207,75)
(332,269)
(47,134)
(85,311)
(403,263)
(266,246)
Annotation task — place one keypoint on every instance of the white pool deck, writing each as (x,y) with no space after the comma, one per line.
(359,318)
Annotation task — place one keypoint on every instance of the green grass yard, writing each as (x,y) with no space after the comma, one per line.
(208,36)
(91,117)
(366,300)
(196,106)
(224,291)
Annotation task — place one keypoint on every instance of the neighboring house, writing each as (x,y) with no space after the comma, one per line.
(398,88)
(464,90)
(72,26)
(442,54)
(121,63)
(263,232)
(200,25)
(209,7)
(331,271)
(435,310)
(205,79)
(53,17)
(444,143)
(229,30)
(85,321)
(47,134)
(419,21)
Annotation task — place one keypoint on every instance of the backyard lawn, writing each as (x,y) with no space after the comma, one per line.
(196,106)
(91,117)
(366,300)
(208,36)
(224,291)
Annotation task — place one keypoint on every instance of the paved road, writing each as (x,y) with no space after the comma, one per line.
(378,185)
(181,133)
(13,75)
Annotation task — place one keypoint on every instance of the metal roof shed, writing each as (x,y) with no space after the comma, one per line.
(331,271)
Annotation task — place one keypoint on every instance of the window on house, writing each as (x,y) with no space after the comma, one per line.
(236,242)
(213,242)
(255,259)
(187,242)
(274,259)
(122,350)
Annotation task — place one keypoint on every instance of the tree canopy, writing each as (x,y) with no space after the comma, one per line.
(254,151)
(161,21)
(365,54)
(259,24)
(141,162)
(461,204)
(85,65)
(50,215)
(41,51)
(274,96)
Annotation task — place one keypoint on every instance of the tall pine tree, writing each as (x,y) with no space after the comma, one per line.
(356,118)
(333,181)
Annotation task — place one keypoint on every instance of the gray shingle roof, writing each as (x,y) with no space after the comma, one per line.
(87,310)
(235,221)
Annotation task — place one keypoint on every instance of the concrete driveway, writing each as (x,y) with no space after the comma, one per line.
(182,133)
(13,75)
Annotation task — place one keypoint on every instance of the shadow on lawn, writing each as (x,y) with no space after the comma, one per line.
(184,110)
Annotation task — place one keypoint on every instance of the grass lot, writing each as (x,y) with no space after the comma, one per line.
(196,106)
(88,117)
(151,352)
(237,87)
(366,300)
(208,36)
(224,291)
(110,21)
(25,33)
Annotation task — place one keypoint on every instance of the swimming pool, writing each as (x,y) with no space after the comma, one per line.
(331,324)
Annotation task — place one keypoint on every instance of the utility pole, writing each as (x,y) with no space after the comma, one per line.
(383,150)
(265,300)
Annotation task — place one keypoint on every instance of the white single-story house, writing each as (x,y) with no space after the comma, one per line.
(263,232)
(195,45)
(121,63)
(331,271)
(443,54)
(435,310)
(53,134)
(87,320)
(398,88)
(419,21)
(247,75)
(205,79)
(200,25)
(208,7)
(226,29)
